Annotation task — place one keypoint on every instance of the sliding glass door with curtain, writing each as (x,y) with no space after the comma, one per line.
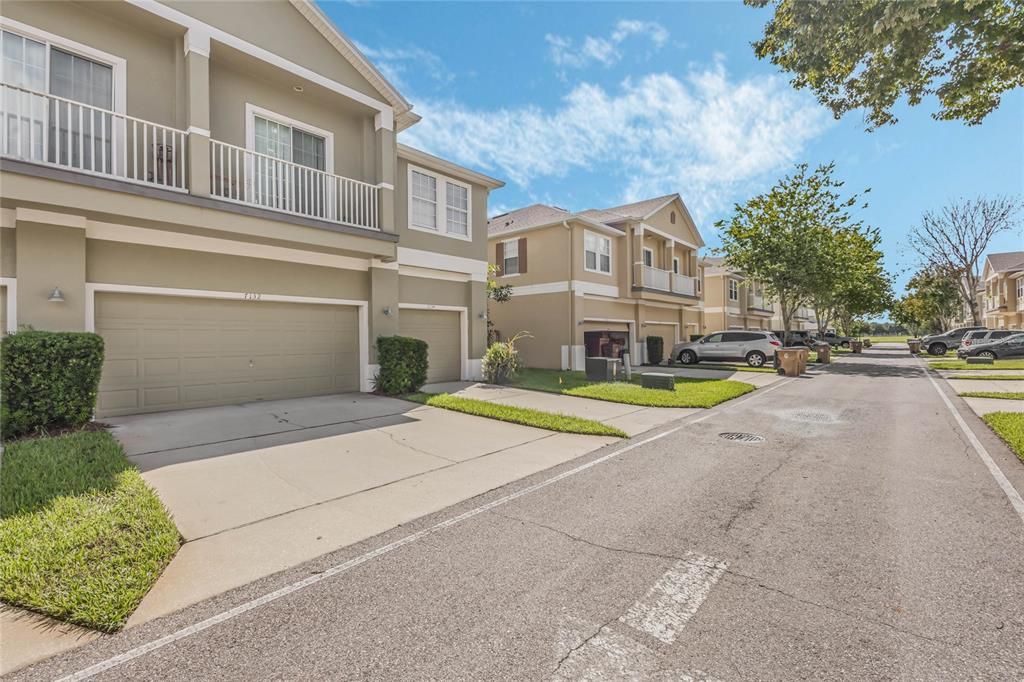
(284,171)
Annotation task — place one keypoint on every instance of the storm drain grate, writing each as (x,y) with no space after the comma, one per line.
(742,437)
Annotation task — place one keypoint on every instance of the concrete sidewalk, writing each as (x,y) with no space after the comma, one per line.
(983,406)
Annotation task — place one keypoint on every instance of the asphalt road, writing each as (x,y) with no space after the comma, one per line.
(864,538)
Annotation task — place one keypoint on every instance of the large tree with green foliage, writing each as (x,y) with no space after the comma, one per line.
(867,54)
(931,303)
(784,238)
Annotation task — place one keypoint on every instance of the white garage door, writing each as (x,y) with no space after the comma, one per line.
(440,329)
(171,353)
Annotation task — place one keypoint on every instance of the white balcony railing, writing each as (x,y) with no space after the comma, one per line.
(683,284)
(654,278)
(56,131)
(248,177)
(757,302)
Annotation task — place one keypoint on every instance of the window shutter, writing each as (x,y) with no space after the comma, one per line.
(499,257)
(522,255)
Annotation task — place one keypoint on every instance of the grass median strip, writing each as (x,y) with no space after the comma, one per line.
(1010,427)
(689,391)
(1002,395)
(989,377)
(962,364)
(82,537)
(525,416)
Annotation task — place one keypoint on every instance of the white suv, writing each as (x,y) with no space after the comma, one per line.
(754,348)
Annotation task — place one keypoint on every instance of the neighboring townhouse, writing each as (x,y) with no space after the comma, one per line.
(731,301)
(596,282)
(217,190)
(964,318)
(1003,275)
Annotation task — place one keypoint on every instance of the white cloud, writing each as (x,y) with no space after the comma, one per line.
(704,136)
(565,53)
(394,63)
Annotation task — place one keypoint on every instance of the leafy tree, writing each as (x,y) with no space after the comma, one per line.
(931,302)
(785,238)
(499,293)
(867,54)
(954,241)
(865,288)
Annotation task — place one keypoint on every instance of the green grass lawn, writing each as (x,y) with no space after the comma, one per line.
(1007,395)
(890,339)
(689,392)
(989,377)
(1010,427)
(518,415)
(962,364)
(82,537)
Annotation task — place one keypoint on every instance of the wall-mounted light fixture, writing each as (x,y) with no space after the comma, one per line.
(298,88)
(387,311)
(56,296)
(483,315)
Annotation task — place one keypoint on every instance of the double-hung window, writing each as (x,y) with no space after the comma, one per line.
(734,290)
(439,204)
(597,253)
(74,125)
(1020,291)
(510,259)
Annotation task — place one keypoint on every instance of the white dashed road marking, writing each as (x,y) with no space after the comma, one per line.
(668,606)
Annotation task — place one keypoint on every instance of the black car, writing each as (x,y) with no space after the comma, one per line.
(1008,347)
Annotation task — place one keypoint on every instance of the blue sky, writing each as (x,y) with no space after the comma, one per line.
(586,105)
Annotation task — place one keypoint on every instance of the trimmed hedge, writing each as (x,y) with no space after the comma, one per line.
(655,350)
(403,364)
(48,380)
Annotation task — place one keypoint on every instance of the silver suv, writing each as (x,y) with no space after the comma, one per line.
(938,344)
(755,348)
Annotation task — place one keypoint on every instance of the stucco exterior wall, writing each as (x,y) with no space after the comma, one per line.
(545,316)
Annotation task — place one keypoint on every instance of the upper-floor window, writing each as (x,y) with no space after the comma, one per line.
(648,257)
(510,258)
(74,130)
(439,204)
(734,290)
(597,253)
(289,143)
(1020,289)
(675,264)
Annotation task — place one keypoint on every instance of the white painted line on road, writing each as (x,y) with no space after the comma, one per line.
(669,605)
(993,468)
(245,607)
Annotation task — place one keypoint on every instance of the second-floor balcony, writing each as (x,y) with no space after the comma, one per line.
(56,131)
(59,132)
(648,277)
(758,303)
(995,302)
(803,313)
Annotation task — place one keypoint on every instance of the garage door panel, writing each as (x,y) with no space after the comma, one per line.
(441,330)
(176,352)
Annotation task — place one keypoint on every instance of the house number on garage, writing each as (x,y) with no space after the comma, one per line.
(252,296)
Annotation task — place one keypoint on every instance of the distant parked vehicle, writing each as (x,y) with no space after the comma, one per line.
(1011,346)
(938,344)
(835,340)
(985,335)
(754,348)
(795,338)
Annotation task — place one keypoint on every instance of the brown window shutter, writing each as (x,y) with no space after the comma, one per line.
(522,255)
(499,257)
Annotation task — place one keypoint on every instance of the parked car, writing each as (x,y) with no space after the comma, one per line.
(795,338)
(1007,347)
(835,340)
(985,335)
(754,348)
(938,344)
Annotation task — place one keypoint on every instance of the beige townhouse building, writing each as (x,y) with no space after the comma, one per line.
(596,282)
(223,199)
(1003,277)
(731,301)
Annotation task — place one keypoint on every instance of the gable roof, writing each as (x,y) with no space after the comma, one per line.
(641,210)
(1010,261)
(539,215)
(404,117)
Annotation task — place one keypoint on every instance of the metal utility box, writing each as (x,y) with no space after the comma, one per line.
(603,369)
(660,380)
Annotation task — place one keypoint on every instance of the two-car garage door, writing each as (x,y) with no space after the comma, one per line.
(169,352)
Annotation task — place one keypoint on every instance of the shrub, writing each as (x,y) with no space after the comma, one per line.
(655,350)
(48,380)
(403,364)
(501,361)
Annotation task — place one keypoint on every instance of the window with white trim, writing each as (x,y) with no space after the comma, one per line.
(439,204)
(597,253)
(510,263)
(734,290)
(1020,290)
(648,257)
(43,67)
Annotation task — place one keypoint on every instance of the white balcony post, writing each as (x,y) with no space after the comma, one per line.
(197,76)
